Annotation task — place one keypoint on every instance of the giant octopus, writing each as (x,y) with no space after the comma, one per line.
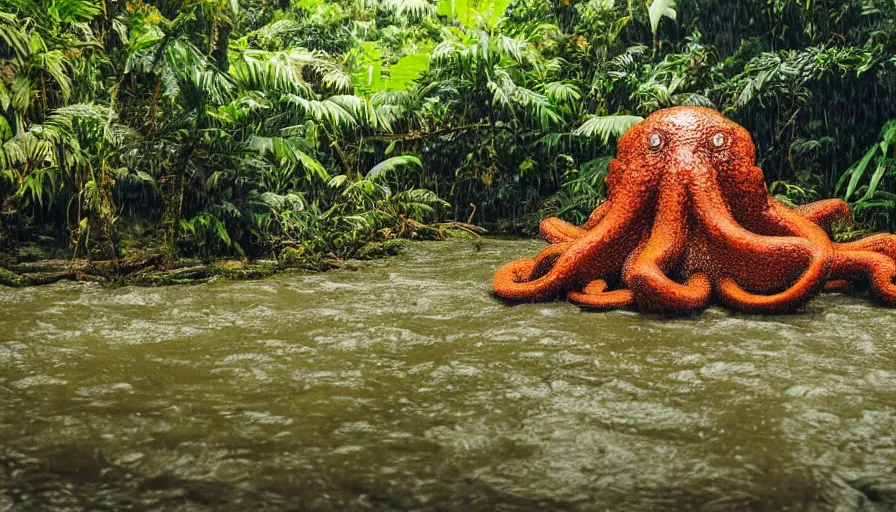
(689,220)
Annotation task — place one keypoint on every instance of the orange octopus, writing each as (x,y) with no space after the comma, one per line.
(689,220)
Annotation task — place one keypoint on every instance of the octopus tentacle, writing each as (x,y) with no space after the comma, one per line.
(883,243)
(546,259)
(825,213)
(596,216)
(595,295)
(646,275)
(518,271)
(512,281)
(555,230)
(846,269)
(717,220)
(878,268)
(790,221)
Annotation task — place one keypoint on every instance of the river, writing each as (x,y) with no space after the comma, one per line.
(402,384)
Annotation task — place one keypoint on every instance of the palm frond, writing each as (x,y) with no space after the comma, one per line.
(411,10)
(604,127)
(390,165)
(271,71)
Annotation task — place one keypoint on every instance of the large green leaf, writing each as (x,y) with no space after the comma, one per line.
(367,75)
(71,11)
(5,130)
(453,8)
(391,164)
(406,70)
(858,171)
(468,11)
(658,9)
(888,136)
(498,8)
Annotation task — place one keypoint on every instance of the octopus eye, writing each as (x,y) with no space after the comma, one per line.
(654,141)
(718,140)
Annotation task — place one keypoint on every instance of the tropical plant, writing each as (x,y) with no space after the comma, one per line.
(304,130)
(868,179)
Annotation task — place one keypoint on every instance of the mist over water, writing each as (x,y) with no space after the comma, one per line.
(403,384)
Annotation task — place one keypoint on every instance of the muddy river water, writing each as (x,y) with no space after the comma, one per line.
(404,385)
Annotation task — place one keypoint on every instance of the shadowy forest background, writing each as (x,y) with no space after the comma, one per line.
(304,130)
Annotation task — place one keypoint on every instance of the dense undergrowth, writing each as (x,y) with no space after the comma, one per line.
(303,130)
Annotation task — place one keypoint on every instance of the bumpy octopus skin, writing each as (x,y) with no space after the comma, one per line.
(688,221)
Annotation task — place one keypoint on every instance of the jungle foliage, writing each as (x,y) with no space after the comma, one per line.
(304,130)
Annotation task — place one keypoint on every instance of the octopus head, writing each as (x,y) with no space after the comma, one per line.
(688,144)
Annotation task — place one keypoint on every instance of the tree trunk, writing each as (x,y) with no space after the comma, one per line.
(8,245)
(173,195)
(222,44)
(6,257)
(103,241)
